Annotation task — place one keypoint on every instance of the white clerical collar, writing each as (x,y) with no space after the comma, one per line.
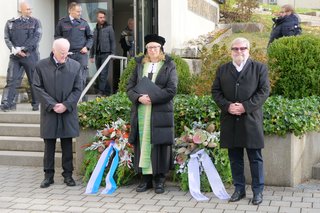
(152,67)
(239,68)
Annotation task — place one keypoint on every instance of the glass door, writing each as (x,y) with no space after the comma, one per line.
(146,21)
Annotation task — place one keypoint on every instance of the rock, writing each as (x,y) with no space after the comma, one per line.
(246,27)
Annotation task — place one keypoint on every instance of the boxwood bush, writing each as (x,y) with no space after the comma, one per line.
(294,64)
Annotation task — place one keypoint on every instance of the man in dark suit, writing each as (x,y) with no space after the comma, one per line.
(240,89)
(58,86)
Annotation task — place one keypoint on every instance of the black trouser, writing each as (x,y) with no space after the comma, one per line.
(49,155)
(15,74)
(103,84)
(83,60)
(256,168)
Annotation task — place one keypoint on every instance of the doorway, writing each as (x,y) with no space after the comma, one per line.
(144,13)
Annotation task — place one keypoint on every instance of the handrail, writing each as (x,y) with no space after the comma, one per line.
(95,76)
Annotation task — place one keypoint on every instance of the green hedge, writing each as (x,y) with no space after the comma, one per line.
(183,72)
(282,115)
(294,64)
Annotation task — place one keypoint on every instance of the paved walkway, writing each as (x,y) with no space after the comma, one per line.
(20,192)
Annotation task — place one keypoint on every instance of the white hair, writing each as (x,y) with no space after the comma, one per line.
(60,42)
(242,41)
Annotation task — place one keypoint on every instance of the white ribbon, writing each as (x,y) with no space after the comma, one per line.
(196,159)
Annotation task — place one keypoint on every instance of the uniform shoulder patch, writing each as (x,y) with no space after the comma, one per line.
(13,19)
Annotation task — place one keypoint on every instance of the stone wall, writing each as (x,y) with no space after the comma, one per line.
(288,160)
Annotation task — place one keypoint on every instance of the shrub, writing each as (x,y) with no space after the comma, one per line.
(281,115)
(299,116)
(126,74)
(238,10)
(183,72)
(95,114)
(184,75)
(295,66)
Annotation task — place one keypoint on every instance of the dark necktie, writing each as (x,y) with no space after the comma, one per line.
(150,74)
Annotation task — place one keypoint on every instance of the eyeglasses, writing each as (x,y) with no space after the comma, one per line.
(153,47)
(239,48)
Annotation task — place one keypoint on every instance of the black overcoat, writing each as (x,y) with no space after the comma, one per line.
(162,125)
(285,26)
(251,88)
(58,84)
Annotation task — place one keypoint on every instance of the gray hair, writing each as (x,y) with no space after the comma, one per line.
(60,42)
(242,41)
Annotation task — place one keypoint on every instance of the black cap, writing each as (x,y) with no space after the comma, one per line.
(154,38)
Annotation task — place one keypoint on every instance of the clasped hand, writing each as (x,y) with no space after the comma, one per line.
(145,99)
(236,109)
(59,108)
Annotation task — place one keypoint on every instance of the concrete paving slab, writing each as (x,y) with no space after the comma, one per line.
(60,198)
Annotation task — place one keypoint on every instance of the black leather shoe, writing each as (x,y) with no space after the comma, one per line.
(257,198)
(69,181)
(237,195)
(144,186)
(46,182)
(159,188)
(35,108)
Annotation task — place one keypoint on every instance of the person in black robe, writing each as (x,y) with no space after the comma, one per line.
(151,89)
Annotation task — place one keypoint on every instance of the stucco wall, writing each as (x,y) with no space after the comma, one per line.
(313,4)
(182,20)
(41,9)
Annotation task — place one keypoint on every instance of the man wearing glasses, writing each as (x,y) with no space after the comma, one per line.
(240,89)
(287,24)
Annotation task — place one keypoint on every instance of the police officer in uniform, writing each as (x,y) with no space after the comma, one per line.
(77,31)
(22,36)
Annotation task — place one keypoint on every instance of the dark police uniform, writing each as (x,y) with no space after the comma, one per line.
(79,34)
(24,33)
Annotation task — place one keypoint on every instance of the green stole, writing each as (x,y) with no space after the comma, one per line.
(144,118)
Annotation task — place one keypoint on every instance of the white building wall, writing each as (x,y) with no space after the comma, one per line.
(311,4)
(42,10)
(178,24)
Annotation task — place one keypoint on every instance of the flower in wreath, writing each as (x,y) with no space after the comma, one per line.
(118,133)
(198,136)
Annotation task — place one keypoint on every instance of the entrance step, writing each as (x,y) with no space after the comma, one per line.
(20,129)
(23,158)
(32,144)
